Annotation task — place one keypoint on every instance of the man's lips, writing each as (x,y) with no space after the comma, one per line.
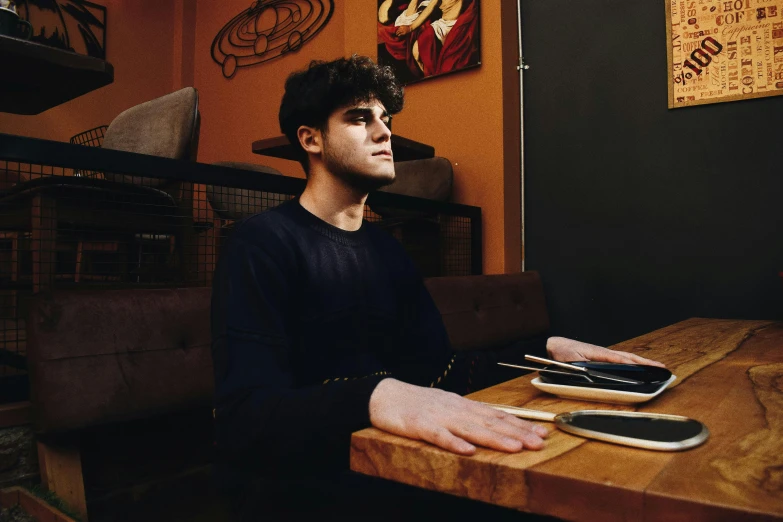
(383,153)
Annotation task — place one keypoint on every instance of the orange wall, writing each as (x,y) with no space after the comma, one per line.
(461,114)
(157,47)
(139,45)
(237,111)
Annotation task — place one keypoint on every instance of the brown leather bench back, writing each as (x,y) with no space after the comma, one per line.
(97,357)
(484,312)
(113,355)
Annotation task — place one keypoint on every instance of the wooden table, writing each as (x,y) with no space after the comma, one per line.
(403,149)
(38,77)
(729,376)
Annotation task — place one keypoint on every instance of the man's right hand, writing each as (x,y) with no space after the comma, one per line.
(449,421)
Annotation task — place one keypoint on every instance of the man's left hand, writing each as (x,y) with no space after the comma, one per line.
(403,30)
(568,350)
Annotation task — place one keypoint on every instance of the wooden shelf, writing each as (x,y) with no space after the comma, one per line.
(38,77)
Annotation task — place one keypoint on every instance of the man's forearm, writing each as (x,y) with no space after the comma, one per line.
(424,14)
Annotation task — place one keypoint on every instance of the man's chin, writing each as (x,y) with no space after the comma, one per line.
(370,183)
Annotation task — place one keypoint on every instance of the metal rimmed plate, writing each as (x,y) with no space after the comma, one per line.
(655,431)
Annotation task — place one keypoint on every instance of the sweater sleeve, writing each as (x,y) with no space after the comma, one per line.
(422,354)
(438,364)
(263,421)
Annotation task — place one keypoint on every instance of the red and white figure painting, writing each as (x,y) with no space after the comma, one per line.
(424,38)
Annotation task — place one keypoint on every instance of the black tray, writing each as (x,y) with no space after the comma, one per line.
(652,377)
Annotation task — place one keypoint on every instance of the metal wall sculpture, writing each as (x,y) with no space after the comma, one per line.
(268,29)
(73,25)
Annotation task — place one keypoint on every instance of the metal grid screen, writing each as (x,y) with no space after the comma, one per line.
(86,226)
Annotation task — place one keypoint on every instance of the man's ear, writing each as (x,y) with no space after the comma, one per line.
(310,138)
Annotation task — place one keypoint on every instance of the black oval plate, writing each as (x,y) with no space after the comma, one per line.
(652,377)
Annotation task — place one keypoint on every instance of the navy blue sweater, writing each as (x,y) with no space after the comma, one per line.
(306,320)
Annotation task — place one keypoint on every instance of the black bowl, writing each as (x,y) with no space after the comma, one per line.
(651,377)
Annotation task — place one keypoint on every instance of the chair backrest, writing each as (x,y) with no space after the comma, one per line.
(167,127)
(430,178)
(91,137)
(103,356)
(490,311)
(238,203)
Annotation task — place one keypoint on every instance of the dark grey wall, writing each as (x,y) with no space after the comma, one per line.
(638,216)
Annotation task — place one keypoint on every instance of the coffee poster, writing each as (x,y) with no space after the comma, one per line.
(724,50)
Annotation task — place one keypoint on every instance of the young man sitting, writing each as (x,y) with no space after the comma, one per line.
(321,324)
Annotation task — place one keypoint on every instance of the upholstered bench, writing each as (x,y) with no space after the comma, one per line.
(138,362)
(98,360)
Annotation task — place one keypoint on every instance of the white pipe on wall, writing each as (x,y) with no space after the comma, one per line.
(521,68)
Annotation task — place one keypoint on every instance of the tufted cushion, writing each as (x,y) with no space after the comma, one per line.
(238,203)
(167,127)
(103,356)
(484,312)
(96,357)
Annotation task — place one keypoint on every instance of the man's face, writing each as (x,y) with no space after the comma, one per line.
(357,146)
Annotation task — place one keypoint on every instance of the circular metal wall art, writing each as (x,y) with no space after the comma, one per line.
(268,29)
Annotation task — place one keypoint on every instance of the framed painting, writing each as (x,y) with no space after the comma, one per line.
(422,39)
(723,50)
(74,25)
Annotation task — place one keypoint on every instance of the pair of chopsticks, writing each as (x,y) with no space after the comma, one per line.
(580,370)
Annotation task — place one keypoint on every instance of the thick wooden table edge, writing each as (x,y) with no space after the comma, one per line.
(395,458)
(400,459)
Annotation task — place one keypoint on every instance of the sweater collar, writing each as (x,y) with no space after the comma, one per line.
(344,237)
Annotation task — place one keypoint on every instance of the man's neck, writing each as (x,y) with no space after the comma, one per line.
(327,198)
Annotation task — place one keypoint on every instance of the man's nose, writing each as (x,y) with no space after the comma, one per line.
(381,132)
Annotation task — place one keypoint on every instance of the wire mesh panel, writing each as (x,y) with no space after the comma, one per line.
(154,222)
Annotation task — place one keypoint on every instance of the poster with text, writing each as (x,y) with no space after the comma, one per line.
(424,38)
(724,50)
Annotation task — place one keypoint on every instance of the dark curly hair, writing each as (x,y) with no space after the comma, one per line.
(313,94)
